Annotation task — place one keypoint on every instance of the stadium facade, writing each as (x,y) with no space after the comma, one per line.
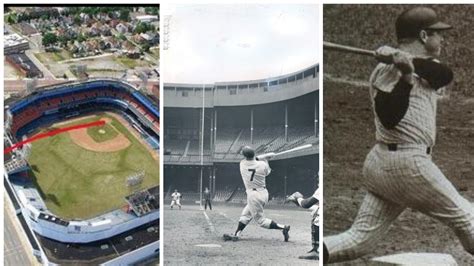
(120,236)
(272,115)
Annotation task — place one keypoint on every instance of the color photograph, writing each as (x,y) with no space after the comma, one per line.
(82,135)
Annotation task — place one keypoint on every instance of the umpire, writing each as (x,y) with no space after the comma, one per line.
(207,198)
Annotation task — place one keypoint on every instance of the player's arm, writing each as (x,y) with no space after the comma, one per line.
(307,203)
(392,106)
(267,170)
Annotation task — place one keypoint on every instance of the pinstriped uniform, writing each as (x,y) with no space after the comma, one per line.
(253,174)
(315,208)
(403,178)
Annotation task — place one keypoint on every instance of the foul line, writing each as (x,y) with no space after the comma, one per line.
(52,133)
(211,226)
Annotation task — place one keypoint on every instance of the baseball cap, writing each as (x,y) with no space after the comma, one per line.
(412,21)
(248,152)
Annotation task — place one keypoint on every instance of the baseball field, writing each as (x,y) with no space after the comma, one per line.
(195,237)
(83,173)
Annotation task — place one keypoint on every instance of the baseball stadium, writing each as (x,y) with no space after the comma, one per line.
(207,125)
(82,171)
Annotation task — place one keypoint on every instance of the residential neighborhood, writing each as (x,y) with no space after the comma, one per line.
(73,42)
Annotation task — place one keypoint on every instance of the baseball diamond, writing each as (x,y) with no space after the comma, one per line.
(73,188)
(77,183)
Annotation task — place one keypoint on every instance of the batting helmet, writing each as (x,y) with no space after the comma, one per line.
(248,152)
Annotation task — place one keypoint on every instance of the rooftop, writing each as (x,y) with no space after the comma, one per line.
(13,39)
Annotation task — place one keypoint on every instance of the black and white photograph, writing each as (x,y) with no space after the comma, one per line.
(241,134)
(398,135)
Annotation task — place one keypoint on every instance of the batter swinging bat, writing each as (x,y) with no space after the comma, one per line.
(272,154)
(349,49)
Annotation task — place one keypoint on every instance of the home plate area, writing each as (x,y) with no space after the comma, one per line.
(193,238)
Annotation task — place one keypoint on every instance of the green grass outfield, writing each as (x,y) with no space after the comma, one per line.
(78,183)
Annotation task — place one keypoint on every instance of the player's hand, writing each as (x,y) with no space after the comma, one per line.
(294,198)
(384,54)
(265,157)
(402,60)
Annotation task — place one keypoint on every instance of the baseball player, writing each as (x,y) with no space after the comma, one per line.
(207,198)
(253,174)
(398,172)
(175,199)
(313,203)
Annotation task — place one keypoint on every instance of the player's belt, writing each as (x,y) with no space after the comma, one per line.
(395,147)
(256,189)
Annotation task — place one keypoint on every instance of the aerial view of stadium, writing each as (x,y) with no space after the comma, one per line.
(81,152)
(236,96)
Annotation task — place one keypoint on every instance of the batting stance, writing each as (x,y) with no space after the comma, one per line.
(313,203)
(398,172)
(253,174)
(175,199)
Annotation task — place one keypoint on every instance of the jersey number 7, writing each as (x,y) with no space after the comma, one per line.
(253,173)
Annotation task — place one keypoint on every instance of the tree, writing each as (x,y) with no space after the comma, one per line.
(81,38)
(62,40)
(152,10)
(77,20)
(49,38)
(143,27)
(125,15)
(10,20)
(146,47)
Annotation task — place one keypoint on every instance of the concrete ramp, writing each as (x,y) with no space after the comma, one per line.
(415,259)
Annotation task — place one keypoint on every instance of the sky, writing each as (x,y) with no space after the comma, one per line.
(216,43)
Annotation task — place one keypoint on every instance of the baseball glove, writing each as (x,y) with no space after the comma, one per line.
(294,198)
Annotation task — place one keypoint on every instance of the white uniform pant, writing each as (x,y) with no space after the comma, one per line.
(256,200)
(396,180)
(175,202)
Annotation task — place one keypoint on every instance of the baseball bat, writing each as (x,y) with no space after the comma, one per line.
(346,48)
(387,59)
(273,154)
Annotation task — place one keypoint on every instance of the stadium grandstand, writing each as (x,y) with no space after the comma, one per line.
(271,115)
(116,237)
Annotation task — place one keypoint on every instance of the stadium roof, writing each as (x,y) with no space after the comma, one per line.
(217,43)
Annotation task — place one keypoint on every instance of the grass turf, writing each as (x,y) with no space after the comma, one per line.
(77,183)
(102,133)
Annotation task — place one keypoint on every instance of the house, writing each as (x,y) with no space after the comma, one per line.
(121,28)
(92,47)
(110,43)
(146,18)
(27,29)
(105,30)
(151,38)
(130,50)
(78,49)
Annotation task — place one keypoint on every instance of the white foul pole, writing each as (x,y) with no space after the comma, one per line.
(202,144)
